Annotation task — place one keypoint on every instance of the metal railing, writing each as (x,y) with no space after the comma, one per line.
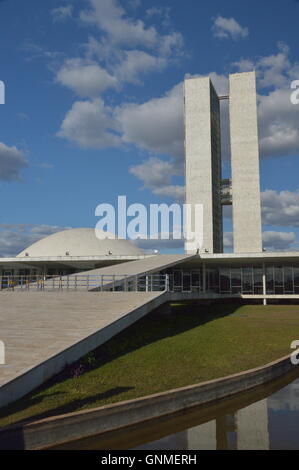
(88,282)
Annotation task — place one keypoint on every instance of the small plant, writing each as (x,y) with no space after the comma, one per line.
(77,371)
(90,360)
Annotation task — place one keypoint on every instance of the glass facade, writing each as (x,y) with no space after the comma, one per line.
(245,279)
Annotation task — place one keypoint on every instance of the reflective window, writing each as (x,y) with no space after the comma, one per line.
(270,279)
(258,279)
(247,280)
(213,280)
(224,276)
(278,280)
(195,281)
(288,280)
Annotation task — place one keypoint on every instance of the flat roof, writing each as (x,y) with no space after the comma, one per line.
(79,261)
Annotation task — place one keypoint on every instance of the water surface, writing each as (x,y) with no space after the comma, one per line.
(266,417)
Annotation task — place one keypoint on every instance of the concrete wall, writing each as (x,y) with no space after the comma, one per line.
(245,163)
(202,156)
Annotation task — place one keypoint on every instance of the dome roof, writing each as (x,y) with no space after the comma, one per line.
(79,242)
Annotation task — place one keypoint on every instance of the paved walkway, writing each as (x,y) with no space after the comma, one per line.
(44,331)
(131,269)
(144,266)
(106,277)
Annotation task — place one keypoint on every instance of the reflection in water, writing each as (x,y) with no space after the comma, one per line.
(252,427)
(271,423)
(283,409)
(226,437)
(266,417)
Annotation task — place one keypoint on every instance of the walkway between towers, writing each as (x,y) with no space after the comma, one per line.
(43,331)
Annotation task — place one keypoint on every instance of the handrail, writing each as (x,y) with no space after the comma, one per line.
(89,282)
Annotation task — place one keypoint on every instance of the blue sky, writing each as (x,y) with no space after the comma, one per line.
(94,105)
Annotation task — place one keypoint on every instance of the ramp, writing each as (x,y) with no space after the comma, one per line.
(43,332)
(137,268)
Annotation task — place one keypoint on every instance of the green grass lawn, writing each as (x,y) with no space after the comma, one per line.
(161,352)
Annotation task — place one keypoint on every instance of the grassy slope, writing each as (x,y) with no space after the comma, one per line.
(161,352)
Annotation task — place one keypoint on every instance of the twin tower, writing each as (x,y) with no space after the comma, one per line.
(204,183)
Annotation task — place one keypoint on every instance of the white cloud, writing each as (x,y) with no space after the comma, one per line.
(228,241)
(16,237)
(136,63)
(154,172)
(157,11)
(110,17)
(275,70)
(12,161)
(35,51)
(281,241)
(244,65)
(280,208)
(172,191)
(121,30)
(86,79)
(162,13)
(62,13)
(117,58)
(134,3)
(273,241)
(228,28)
(89,125)
(156,125)
(156,175)
(278,118)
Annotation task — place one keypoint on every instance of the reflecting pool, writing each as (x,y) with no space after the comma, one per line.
(266,417)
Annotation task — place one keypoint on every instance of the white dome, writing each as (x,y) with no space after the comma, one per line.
(79,242)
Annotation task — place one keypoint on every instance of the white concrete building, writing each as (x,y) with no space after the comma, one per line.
(248,273)
(245,163)
(69,251)
(203,158)
(203,161)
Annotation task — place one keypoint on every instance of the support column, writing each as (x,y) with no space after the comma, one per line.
(204,280)
(264,284)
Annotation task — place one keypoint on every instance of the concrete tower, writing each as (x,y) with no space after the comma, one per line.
(203,158)
(203,162)
(245,163)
